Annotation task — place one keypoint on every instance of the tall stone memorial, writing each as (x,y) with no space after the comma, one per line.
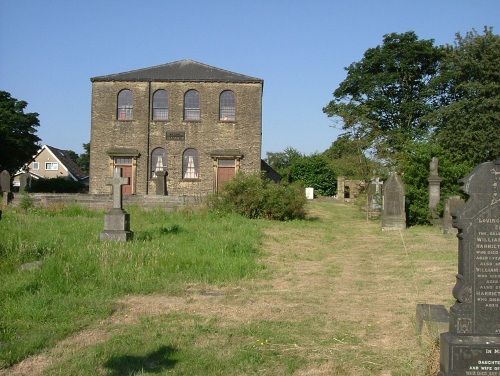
(472,345)
(434,189)
(393,212)
(117,221)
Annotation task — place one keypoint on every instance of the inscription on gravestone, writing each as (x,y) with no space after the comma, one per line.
(472,346)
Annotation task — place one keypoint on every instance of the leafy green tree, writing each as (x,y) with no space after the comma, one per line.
(348,157)
(18,139)
(314,171)
(468,121)
(83,159)
(385,95)
(282,162)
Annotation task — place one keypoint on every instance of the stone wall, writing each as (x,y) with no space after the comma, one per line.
(143,135)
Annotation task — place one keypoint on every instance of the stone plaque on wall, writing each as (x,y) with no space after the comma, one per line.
(176,135)
(472,346)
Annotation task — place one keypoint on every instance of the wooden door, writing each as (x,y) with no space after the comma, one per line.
(225,171)
(127,173)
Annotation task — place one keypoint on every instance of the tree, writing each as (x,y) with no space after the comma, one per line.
(314,171)
(282,162)
(467,124)
(18,139)
(84,159)
(348,157)
(386,94)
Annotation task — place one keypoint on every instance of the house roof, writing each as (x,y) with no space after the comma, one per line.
(182,70)
(73,169)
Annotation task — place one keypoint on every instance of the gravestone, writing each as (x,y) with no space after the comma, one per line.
(5,189)
(472,345)
(434,189)
(310,193)
(374,198)
(117,221)
(161,183)
(24,182)
(5,181)
(451,205)
(393,210)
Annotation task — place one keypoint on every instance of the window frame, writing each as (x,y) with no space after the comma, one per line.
(227,108)
(195,102)
(159,151)
(36,166)
(51,164)
(194,175)
(125,105)
(158,107)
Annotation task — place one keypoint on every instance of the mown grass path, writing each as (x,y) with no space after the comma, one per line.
(338,297)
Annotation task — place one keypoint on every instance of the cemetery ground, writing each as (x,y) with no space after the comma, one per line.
(196,293)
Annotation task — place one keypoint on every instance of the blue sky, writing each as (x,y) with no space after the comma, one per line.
(49,50)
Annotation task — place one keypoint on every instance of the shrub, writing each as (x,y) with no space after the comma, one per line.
(58,185)
(255,197)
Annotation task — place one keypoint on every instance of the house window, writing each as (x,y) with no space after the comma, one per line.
(158,161)
(160,105)
(125,105)
(51,166)
(190,164)
(227,106)
(36,165)
(192,105)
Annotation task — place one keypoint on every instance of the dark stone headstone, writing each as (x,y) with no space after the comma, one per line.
(451,205)
(24,182)
(393,212)
(117,221)
(472,345)
(5,181)
(161,183)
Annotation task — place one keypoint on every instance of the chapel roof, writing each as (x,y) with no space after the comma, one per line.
(182,70)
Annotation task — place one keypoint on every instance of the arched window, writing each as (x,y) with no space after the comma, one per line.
(192,105)
(160,105)
(125,105)
(190,164)
(158,161)
(227,106)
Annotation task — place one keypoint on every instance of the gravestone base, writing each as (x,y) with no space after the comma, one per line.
(117,226)
(470,355)
(436,317)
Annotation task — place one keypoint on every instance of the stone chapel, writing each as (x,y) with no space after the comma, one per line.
(199,123)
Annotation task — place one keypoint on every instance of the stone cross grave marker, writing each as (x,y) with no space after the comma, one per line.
(117,221)
(117,181)
(393,212)
(472,345)
(374,201)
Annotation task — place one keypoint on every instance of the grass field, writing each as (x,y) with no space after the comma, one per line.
(200,294)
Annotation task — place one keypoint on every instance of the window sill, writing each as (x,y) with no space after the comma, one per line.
(192,180)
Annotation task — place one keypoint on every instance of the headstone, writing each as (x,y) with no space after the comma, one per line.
(472,345)
(310,193)
(5,181)
(434,189)
(117,221)
(5,189)
(374,198)
(161,182)
(451,205)
(24,182)
(393,211)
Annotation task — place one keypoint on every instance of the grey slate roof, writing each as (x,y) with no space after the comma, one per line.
(182,70)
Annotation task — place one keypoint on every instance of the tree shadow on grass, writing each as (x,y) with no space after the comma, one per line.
(154,362)
(157,232)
